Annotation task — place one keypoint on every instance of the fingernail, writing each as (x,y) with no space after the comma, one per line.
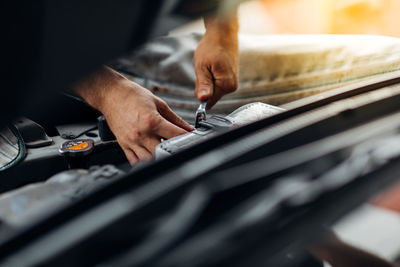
(204,91)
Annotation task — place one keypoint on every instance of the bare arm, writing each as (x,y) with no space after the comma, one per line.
(136,117)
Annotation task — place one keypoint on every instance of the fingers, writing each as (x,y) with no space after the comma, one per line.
(151,143)
(144,149)
(167,130)
(130,156)
(204,84)
(213,86)
(223,85)
(166,112)
(141,141)
(213,100)
(141,152)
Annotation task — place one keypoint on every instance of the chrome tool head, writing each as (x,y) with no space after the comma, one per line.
(200,114)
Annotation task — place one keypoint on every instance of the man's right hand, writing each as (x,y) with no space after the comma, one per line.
(137,118)
(216,59)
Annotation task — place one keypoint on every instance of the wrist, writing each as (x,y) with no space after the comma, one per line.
(227,24)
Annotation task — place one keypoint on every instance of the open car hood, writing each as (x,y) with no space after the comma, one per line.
(262,184)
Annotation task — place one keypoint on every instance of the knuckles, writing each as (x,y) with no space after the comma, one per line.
(134,135)
(228,83)
(149,122)
(162,104)
(234,85)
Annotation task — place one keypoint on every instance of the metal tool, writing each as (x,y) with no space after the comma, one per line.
(200,114)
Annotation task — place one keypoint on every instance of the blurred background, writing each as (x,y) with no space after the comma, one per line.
(371,227)
(316,17)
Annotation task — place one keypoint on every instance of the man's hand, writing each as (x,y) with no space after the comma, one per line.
(136,117)
(216,60)
(139,120)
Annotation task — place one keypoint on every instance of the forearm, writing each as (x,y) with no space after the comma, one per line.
(223,28)
(98,87)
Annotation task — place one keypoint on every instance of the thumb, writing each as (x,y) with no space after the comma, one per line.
(204,85)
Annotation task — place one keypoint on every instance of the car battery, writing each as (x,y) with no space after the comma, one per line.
(215,125)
